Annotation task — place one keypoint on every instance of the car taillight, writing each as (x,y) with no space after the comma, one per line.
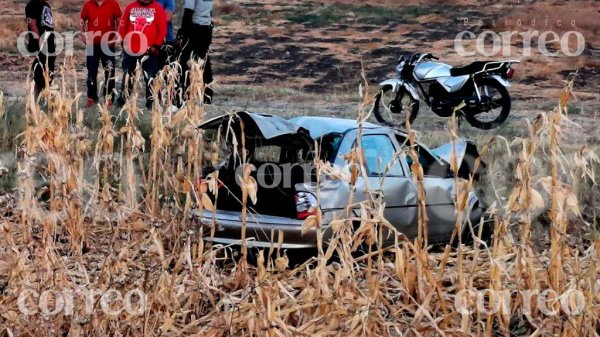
(510,73)
(306,205)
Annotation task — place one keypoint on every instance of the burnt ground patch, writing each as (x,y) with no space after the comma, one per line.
(322,46)
(586,77)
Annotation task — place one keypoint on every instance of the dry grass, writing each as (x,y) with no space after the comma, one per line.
(125,224)
(579,16)
(559,17)
(9,32)
(253,38)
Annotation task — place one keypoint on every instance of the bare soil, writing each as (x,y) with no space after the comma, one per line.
(306,57)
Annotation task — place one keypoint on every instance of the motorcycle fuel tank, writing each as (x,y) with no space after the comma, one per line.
(431,70)
(452,84)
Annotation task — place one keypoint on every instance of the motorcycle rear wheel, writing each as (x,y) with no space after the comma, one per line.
(500,106)
(391,109)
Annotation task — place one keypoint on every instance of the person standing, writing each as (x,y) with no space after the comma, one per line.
(195,37)
(168,50)
(99,24)
(143,30)
(40,25)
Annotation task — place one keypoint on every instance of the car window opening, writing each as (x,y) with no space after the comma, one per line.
(430,164)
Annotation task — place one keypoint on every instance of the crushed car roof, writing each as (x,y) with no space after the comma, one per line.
(270,126)
(320,126)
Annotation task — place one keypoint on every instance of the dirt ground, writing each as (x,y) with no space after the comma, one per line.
(305,57)
(294,58)
(320,45)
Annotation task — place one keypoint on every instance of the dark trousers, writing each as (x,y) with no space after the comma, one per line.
(196,47)
(149,70)
(96,57)
(167,54)
(38,68)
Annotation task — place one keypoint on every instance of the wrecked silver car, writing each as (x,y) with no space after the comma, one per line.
(283,152)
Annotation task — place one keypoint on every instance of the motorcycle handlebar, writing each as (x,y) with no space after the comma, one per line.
(417,58)
(420,57)
(430,56)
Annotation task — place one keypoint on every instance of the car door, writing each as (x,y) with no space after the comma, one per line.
(388,176)
(439,193)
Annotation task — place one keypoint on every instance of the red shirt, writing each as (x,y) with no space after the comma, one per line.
(143,26)
(101,19)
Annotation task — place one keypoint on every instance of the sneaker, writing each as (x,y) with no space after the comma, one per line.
(90,103)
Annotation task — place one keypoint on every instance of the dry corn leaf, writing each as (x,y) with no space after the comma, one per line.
(335,172)
(572,204)
(138,225)
(337,225)
(108,144)
(187,186)
(309,223)
(537,201)
(72,184)
(159,249)
(353,174)
(207,204)
(564,99)
(214,158)
(212,180)
(261,271)
(355,298)
(248,169)
(201,186)
(312,221)
(5,267)
(282,262)
(417,169)
(138,140)
(251,187)
(2,110)
(547,184)
(353,158)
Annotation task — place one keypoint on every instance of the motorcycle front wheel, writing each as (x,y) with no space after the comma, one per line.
(392,108)
(495,105)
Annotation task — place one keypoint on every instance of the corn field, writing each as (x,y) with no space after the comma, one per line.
(109,211)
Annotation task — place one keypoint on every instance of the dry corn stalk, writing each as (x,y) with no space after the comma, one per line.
(2,107)
(132,143)
(193,289)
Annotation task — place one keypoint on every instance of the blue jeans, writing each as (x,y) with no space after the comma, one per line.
(149,67)
(108,64)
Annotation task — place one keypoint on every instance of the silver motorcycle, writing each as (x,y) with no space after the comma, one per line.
(481,86)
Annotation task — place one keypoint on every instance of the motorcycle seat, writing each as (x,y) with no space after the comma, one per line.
(469,69)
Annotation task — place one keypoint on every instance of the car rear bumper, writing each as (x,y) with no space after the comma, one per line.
(261,230)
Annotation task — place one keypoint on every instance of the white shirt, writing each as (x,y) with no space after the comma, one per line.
(202,11)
